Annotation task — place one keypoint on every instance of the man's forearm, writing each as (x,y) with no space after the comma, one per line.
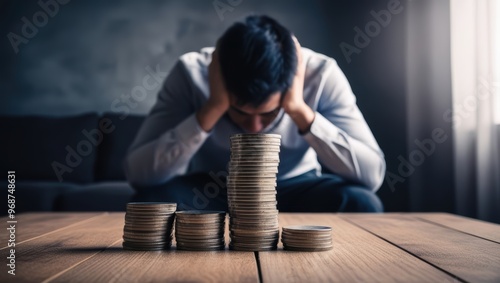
(344,155)
(209,115)
(303,117)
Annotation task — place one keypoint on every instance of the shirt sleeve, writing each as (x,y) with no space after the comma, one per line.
(170,135)
(340,135)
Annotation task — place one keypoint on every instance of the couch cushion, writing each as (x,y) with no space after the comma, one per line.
(37,147)
(105,196)
(112,150)
(38,196)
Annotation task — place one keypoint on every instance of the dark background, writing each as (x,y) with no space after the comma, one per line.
(91,52)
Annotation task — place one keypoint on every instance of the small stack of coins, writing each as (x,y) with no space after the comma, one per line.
(307,238)
(200,230)
(251,192)
(148,226)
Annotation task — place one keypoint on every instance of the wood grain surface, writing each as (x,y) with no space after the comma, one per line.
(486,230)
(468,257)
(42,257)
(393,247)
(163,266)
(30,225)
(357,256)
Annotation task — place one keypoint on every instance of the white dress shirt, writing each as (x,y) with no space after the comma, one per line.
(171,142)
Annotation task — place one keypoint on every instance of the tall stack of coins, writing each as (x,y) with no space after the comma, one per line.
(307,238)
(251,192)
(200,230)
(148,226)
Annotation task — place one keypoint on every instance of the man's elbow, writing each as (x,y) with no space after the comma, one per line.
(140,175)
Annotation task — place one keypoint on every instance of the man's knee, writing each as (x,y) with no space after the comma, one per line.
(360,199)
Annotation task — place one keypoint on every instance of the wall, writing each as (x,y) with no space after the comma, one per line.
(91,52)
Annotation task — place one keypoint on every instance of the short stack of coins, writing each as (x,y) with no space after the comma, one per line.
(307,238)
(148,226)
(200,230)
(251,192)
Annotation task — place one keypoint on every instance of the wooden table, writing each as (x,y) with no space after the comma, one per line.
(86,247)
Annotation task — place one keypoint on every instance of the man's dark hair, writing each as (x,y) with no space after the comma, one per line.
(257,58)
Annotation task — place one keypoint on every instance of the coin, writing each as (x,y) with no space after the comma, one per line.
(198,230)
(251,191)
(148,225)
(307,238)
(252,171)
(237,188)
(235,164)
(260,176)
(259,137)
(308,229)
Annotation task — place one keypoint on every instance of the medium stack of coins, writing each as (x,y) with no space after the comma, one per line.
(307,238)
(251,192)
(148,226)
(198,230)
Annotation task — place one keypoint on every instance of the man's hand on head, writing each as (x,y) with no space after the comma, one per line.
(293,101)
(218,102)
(219,96)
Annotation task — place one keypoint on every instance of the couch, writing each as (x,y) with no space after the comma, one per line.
(70,163)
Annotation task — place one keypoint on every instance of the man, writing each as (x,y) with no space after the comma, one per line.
(257,80)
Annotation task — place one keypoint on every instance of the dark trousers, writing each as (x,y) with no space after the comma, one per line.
(304,193)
